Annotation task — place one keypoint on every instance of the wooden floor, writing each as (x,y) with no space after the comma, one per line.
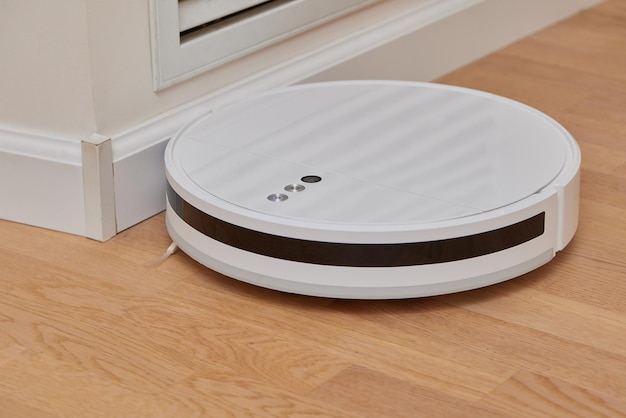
(87,330)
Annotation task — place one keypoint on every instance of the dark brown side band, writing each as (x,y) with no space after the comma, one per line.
(358,255)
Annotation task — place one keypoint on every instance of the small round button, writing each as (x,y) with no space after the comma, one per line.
(294,188)
(277,197)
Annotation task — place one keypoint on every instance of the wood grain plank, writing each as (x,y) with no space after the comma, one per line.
(223,337)
(347,337)
(600,225)
(469,333)
(65,316)
(554,315)
(22,410)
(222,393)
(118,262)
(530,394)
(65,390)
(374,394)
(586,280)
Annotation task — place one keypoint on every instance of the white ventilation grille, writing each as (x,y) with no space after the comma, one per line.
(193,36)
(196,13)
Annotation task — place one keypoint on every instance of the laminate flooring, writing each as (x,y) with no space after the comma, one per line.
(86,329)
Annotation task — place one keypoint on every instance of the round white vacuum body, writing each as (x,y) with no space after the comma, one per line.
(373,189)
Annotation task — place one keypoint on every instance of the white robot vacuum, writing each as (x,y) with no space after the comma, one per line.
(373,189)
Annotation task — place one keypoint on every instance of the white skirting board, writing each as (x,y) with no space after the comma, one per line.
(41,179)
(56,184)
(41,182)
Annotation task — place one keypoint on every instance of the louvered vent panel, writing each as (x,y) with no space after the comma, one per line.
(196,13)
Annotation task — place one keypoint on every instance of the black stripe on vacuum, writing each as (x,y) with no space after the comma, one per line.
(358,255)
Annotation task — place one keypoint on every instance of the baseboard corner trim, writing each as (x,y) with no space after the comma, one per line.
(98,183)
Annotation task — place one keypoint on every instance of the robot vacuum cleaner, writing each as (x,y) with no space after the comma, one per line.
(373,189)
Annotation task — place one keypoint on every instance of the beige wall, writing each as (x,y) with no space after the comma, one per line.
(69,68)
(45,80)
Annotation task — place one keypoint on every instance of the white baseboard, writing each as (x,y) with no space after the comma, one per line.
(138,165)
(41,182)
(41,179)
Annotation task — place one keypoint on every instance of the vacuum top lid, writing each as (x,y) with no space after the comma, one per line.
(370,153)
